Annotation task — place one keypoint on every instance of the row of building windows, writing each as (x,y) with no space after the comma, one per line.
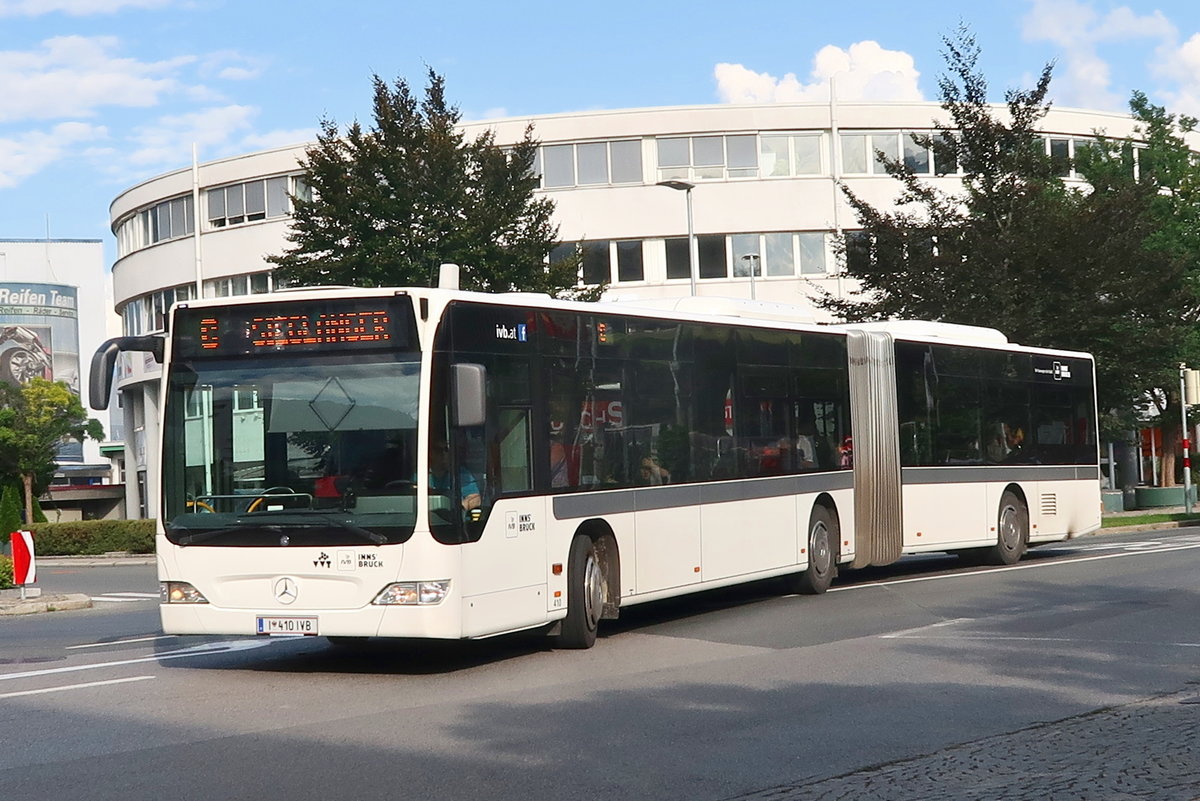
(249,201)
(708,157)
(719,256)
(149,312)
(764,155)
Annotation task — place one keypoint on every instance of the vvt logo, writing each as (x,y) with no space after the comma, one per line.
(516,333)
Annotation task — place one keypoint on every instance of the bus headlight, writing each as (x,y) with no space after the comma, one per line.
(179,592)
(413,593)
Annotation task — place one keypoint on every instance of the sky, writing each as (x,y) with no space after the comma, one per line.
(99,95)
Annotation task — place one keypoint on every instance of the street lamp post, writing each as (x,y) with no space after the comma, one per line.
(751,260)
(693,255)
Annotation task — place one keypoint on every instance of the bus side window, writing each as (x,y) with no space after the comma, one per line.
(516,469)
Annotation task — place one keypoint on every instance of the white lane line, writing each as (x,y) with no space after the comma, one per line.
(153,595)
(120,642)
(1027,566)
(187,653)
(106,600)
(75,686)
(913,632)
(1007,638)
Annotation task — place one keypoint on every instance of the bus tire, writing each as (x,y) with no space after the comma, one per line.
(585,595)
(1012,531)
(823,536)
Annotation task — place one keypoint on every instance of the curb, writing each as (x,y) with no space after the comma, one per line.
(1150,526)
(99,560)
(46,603)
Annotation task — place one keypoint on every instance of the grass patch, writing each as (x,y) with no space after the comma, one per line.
(1146,519)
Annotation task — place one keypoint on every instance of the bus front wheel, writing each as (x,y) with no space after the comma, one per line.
(585,595)
(822,554)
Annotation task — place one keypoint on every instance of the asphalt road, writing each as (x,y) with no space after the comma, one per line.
(742,693)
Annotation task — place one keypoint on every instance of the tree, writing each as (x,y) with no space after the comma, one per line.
(34,419)
(1164,168)
(10,510)
(1019,251)
(390,204)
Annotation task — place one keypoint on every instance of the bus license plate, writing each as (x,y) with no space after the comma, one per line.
(287,625)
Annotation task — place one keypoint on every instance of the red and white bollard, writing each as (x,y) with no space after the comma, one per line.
(24,563)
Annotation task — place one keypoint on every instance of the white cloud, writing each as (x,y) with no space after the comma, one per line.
(1083,77)
(1181,66)
(28,153)
(74,8)
(168,141)
(865,71)
(230,65)
(73,76)
(278,138)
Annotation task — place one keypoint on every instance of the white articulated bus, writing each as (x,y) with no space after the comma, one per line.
(443,464)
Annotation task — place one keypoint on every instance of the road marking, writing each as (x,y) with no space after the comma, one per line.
(912,632)
(125,597)
(199,650)
(75,686)
(121,642)
(1026,566)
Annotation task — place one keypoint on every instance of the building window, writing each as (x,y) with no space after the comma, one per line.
(747,254)
(149,313)
(708,157)
(866,153)
(773,255)
(237,285)
(251,201)
(713,261)
(590,164)
(790,154)
(629,261)
(778,255)
(596,263)
(169,219)
(599,257)
(1064,153)
(679,258)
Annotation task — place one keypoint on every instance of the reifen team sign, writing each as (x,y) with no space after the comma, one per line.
(39,338)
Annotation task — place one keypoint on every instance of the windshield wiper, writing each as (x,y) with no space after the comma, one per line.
(378,539)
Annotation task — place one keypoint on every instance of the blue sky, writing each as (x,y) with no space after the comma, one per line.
(97,95)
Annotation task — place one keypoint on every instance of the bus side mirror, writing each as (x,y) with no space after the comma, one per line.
(100,378)
(468,394)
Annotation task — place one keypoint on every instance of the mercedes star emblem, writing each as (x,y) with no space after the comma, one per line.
(285,591)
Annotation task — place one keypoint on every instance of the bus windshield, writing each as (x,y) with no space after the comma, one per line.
(276,451)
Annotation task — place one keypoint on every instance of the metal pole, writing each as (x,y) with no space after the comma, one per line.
(199,276)
(693,253)
(1153,459)
(751,260)
(1187,450)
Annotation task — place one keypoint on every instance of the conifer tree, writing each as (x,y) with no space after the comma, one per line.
(389,204)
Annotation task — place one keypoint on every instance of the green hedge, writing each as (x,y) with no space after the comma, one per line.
(6,573)
(93,537)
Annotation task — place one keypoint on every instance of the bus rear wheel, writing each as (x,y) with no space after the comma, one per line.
(585,595)
(1012,531)
(823,536)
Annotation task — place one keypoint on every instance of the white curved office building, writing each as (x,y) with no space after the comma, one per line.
(765,210)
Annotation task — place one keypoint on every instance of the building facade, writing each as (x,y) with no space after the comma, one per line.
(765,208)
(56,307)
